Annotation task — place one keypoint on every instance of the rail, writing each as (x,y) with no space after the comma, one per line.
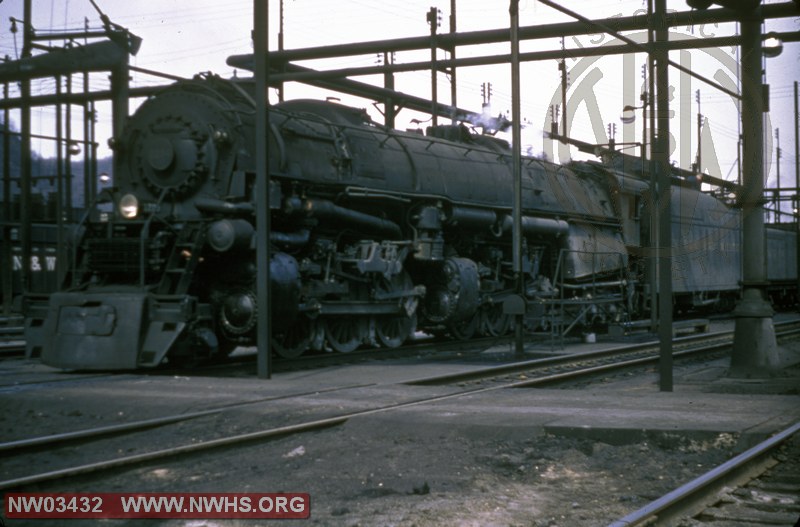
(674,505)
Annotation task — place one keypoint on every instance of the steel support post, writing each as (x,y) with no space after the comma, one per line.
(25,156)
(89,167)
(495,36)
(263,328)
(60,183)
(453,85)
(754,346)
(664,201)
(516,133)
(120,94)
(67,202)
(92,142)
(388,84)
(651,169)
(796,209)
(5,262)
(89,178)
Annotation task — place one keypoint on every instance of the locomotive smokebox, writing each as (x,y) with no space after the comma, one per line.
(226,235)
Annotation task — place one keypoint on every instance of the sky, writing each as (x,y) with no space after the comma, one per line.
(184,37)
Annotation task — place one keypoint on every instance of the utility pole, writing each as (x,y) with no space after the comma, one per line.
(562,66)
(486,94)
(754,346)
(612,136)
(699,134)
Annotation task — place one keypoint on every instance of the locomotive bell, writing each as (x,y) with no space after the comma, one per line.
(225,235)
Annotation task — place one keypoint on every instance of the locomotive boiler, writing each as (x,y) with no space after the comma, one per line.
(376,234)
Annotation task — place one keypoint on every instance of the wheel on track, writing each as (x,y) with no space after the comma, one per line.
(393,330)
(494,322)
(464,329)
(292,341)
(344,334)
(226,347)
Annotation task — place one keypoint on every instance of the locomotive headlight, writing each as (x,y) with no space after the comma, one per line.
(129,206)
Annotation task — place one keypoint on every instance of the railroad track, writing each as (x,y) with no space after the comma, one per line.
(758,487)
(243,366)
(197,446)
(426,347)
(582,365)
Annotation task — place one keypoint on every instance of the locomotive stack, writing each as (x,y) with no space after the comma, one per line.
(376,234)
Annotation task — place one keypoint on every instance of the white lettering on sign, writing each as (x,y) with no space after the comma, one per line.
(36,263)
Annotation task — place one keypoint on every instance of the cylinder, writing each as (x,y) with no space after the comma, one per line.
(230,234)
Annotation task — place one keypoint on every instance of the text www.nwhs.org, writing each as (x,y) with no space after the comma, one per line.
(111,505)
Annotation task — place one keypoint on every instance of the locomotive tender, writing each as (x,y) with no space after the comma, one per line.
(376,234)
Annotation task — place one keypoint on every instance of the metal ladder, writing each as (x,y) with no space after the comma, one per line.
(183,260)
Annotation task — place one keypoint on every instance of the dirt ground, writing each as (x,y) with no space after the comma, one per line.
(412,470)
(379,472)
(403,477)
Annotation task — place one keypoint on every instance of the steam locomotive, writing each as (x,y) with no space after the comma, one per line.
(375,234)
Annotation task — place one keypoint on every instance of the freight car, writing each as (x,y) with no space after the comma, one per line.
(782,265)
(42,266)
(375,234)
